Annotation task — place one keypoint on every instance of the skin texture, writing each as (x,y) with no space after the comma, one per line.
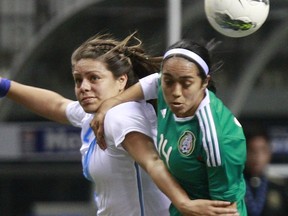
(92,82)
(182,87)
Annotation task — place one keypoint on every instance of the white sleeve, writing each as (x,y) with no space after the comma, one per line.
(129,117)
(75,113)
(149,85)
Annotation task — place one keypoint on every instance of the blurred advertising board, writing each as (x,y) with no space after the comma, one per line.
(39,140)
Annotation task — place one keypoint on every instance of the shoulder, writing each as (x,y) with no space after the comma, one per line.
(75,113)
(130,114)
(219,111)
(130,109)
(215,102)
(126,118)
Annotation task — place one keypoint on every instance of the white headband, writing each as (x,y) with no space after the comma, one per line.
(190,55)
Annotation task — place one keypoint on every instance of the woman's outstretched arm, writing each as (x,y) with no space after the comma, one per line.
(43,102)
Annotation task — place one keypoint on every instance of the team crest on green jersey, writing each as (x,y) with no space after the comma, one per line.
(186,143)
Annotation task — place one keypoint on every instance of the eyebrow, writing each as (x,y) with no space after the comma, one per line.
(181,77)
(87,72)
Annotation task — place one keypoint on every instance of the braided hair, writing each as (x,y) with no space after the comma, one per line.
(120,57)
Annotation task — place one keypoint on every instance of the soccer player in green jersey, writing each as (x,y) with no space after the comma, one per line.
(199,139)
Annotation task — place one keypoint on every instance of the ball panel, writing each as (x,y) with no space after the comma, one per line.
(236,18)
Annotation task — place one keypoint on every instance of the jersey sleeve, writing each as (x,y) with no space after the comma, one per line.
(225,148)
(226,181)
(126,118)
(149,86)
(75,113)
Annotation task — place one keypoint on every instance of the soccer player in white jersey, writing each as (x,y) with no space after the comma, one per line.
(103,67)
(198,138)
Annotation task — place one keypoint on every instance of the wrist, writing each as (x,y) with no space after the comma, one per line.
(4,87)
(182,204)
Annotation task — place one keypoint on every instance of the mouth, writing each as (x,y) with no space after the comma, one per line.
(87,100)
(176,105)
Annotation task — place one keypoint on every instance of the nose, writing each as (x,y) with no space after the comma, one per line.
(85,85)
(176,91)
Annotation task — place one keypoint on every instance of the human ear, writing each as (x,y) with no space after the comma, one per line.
(206,82)
(122,80)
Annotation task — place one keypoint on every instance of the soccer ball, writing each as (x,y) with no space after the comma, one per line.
(236,18)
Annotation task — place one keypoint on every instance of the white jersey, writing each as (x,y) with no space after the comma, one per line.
(122,187)
(149,85)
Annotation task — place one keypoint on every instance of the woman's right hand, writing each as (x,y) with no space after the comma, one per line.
(201,207)
(97,123)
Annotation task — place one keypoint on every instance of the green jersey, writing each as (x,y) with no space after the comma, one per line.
(206,153)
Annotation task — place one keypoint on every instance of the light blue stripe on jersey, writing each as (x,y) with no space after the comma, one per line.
(87,135)
(86,160)
(140,192)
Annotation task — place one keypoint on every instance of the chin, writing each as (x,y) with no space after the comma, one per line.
(90,108)
(180,114)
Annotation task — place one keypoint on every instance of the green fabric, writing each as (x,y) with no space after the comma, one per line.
(205,153)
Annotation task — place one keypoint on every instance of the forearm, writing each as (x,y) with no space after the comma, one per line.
(133,93)
(146,88)
(43,102)
(143,151)
(168,185)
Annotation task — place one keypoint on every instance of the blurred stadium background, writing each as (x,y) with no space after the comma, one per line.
(40,169)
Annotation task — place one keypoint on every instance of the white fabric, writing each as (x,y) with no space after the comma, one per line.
(190,55)
(79,118)
(113,170)
(149,85)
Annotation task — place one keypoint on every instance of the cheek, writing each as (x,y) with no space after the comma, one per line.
(106,90)
(165,90)
(77,92)
(194,93)
(166,93)
(190,95)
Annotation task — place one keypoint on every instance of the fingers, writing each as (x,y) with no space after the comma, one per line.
(218,203)
(97,125)
(230,214)
(100,138)
(224,212)
(225,208)
(209,207)
(230,207)
(102,144)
